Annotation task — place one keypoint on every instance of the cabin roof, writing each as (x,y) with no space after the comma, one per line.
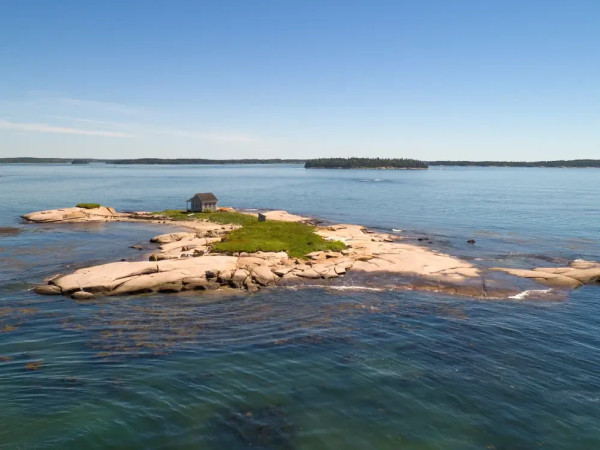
(204,197)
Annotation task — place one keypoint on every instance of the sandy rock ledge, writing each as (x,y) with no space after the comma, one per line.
(184,261)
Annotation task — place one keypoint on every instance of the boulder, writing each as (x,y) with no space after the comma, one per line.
(250,261)
(250,285)
(47,289)
(331,273)
(160,281)
(225,276)
(172,237)
(82,295)
(281,270)
(342,266)
(290,276)
(308,273)
(322,269)
(263,275)
(239,277)
(162,256)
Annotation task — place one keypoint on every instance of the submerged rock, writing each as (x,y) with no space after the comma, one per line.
(10,231)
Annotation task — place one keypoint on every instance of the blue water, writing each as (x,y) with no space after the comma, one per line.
(308,368)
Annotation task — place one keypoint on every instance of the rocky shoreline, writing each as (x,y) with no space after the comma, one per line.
(184,261)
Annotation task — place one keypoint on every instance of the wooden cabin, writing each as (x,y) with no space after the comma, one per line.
(202,202)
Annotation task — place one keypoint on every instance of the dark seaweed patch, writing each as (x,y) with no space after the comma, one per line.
(265,427)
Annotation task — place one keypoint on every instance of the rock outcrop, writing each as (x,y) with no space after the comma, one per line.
(580,272)
(103,214)
(184,261)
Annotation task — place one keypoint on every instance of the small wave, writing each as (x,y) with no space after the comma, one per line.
(396,230)
(335,288)
(531,292)
(370,180)
(354,288)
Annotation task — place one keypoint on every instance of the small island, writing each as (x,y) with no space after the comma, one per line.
(364,163)
(224,249)
(572,163)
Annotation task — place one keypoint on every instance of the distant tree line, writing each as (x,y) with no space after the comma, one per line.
(204,161)
(330,163)
(365,163)
(26,159)
(561,163)
(21,160)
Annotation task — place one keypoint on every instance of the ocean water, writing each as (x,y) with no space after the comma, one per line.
(305,368)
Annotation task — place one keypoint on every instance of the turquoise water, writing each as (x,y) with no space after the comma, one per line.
(307,368)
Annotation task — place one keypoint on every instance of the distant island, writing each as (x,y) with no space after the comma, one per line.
(321,163)
(189,161)
(364,163)
(561,163)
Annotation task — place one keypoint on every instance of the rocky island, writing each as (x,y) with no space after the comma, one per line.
(230,249)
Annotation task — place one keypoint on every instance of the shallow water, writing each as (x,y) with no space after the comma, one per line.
(306,368)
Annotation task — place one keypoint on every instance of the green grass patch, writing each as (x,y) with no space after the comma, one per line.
(296,239)
(88,205)
(224,217)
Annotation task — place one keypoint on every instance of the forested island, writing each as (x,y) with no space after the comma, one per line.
(365,163)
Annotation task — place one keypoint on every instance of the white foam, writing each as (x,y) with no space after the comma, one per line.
(335,288)
(396,230)
(354,288)
(526,294)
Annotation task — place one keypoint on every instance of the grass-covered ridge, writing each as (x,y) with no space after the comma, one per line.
(296,239)
(224,217)
(88,205)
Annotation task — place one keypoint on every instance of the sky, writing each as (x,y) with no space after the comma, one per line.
(425,79)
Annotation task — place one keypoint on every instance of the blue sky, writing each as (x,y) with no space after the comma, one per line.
(499,80)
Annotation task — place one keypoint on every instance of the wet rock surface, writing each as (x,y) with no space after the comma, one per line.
(578,273)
